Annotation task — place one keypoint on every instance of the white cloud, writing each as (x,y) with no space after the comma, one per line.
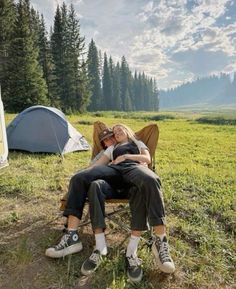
(166,39)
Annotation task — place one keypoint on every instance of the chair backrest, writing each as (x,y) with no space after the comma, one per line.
(148,135)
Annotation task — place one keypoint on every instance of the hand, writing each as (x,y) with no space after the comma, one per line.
(119,159)
(143,164)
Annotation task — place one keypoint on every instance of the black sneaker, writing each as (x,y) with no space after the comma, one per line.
(134,269)
(92,263)
(69,244)
(160,249)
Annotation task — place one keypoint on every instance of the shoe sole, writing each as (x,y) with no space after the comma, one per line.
(67,251)
(86,272)
(160,265)
(135,280)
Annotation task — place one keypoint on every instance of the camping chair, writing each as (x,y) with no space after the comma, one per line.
(149,136)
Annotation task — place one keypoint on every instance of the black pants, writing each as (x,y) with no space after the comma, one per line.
(98,192)
(147,203)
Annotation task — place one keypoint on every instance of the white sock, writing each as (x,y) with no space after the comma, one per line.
(132,246)
(161,236)
(101,243)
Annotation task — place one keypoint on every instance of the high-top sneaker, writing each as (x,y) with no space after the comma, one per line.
(160,249)
(68,244)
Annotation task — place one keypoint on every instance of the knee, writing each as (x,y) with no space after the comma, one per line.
(98,183)
(95,185)
(151,180)
(94,188)
(78,178)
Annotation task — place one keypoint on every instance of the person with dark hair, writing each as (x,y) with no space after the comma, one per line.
(99,190)
(106,138)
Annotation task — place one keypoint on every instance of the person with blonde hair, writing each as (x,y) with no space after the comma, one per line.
(147,204)
(122,163)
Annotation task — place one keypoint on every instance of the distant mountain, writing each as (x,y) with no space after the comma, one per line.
(204,92)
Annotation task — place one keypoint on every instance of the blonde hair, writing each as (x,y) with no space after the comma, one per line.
(130,134)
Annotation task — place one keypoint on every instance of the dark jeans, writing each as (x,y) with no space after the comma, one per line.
(98,192)
(147,201)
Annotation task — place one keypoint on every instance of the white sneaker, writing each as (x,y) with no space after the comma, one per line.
(68,244)
(160,249)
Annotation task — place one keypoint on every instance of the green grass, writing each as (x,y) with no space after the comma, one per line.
(197,165)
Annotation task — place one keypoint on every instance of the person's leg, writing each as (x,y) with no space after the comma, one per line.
(69,243)
(138,220)
(78,187)
(150,189)
(133,263)
(138,224)
(99,190)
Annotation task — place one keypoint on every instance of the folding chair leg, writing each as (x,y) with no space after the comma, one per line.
(122,225)
(127,229)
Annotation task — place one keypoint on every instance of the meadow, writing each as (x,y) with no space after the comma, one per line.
(196,161)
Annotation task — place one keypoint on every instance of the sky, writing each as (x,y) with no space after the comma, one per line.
(174,41)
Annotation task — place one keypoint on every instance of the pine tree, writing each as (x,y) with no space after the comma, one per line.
(111,71)
(94,75)
(100,61)
(127,101)
(45,60)
(68,52)
(106,84)
(26,84)
(84,91)
(117,104)
(156,99)
(135,90)
(124,84)
(7,24)
(57,55)
(68,90)
(34,25)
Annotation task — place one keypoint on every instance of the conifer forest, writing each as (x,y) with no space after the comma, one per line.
(58,69)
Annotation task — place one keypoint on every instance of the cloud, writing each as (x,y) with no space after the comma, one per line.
(174,40)
(201,62)
(87,23)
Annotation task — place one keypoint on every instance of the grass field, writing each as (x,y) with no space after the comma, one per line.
(197,165)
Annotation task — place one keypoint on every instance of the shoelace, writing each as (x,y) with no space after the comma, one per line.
(95,257)
(163,251)
(134,261)
(63,243)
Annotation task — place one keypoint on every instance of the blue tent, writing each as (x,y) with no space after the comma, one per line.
(44,129)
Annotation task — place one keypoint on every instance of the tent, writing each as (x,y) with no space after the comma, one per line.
(44,129)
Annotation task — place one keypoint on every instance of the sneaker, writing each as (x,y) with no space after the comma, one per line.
(160,249)
(134,269)
(92,263)
(69,244)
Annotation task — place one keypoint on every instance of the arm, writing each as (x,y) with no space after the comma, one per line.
(144,157)
(104,160)
(97,157)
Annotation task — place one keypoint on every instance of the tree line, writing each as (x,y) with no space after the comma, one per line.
(57,69)
(212,91)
